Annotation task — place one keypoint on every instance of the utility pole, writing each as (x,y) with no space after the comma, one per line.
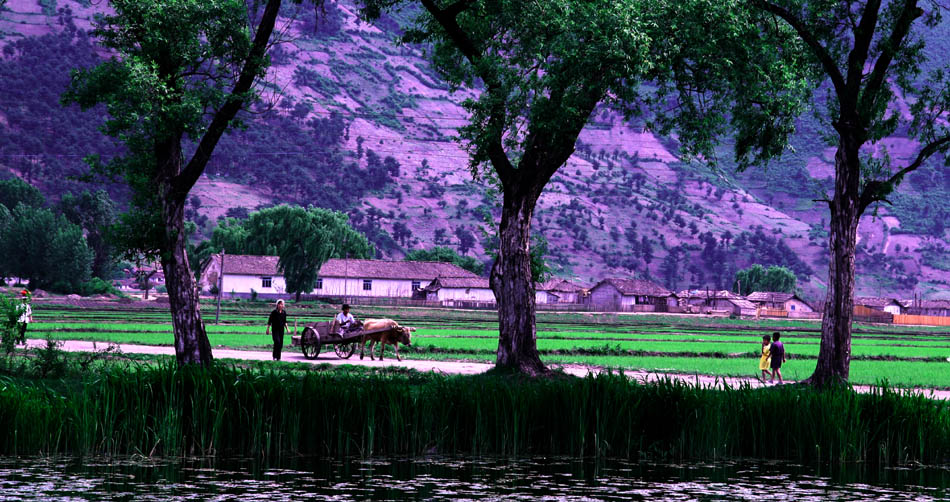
(217,313)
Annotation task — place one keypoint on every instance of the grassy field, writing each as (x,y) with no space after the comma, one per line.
(900,355)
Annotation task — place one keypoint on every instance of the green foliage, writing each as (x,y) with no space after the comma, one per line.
(45,248)
(49,361)
(446,255)
(337,413)
(94,212)
(15,191)
(178,61)
(758,278)
(9,315)
(97,286)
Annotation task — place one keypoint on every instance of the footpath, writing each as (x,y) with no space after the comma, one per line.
(447,367)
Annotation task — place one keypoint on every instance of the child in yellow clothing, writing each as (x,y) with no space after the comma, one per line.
(766,360)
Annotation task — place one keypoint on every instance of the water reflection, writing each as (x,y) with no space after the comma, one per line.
(452,479)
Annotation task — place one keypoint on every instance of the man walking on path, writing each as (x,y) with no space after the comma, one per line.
(26,317)
(278,321)
(777,351)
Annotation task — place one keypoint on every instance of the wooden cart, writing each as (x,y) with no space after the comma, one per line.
(315,336)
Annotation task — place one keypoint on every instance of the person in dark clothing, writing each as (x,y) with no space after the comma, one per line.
(777,351)
(278,321)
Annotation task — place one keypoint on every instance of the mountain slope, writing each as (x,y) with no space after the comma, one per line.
(353,121)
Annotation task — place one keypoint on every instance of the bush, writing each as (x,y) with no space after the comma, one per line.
(97,286)
(161,289)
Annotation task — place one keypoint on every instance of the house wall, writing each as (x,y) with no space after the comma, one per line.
(466,294)
(353,286)
(567,297)
(243,284)
(332,286)
(545,297)
(796,305)
(893,309)
(605,296)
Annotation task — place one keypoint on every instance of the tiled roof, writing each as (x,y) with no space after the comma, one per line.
(934,304)
(559,285)
(458,282)
(636,287)
(702,293)
(741,303)
(869,301)
(335,267)
(383,269)
(243,264)
(769,296)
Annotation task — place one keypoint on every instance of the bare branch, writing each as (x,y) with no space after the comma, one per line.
(909,14)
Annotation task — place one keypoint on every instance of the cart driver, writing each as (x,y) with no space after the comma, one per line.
(345,320)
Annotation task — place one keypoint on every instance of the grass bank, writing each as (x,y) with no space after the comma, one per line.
(159,409)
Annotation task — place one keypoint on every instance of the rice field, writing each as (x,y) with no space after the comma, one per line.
(900,355)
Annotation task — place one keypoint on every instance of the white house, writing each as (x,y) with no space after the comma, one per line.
(460,291)
(337,277)
(889,305)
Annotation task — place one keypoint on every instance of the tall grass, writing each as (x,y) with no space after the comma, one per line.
(165,410)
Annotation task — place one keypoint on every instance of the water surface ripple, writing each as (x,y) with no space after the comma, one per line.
(439,478)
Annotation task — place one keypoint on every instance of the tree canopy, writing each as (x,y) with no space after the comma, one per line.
(446,255)
(758,278)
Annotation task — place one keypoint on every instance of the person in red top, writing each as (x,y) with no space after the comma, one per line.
(777,351)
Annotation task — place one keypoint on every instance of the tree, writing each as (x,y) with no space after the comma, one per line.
(671,268)
(94,212)
(446,255)
(869,55)
(544,67)
(42,247)
(14,191)
(758,278)
(185,68)
(302,238)
(466,239)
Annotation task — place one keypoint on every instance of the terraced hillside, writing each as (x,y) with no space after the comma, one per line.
(354,121)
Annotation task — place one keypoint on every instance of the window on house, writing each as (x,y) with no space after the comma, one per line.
(792,306)
(265,282)
(416,285)
(319,284)
(367,284)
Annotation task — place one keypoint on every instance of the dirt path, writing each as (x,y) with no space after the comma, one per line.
(447,367)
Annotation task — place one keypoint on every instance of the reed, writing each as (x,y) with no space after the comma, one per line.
(160,409)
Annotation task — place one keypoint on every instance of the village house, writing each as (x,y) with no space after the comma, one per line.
(788,302)
(704,301)
(558,291)
(631,295)
(939,308)
(889,305)
(337,278)
(460,292)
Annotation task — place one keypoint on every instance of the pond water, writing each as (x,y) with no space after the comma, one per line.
(443,478)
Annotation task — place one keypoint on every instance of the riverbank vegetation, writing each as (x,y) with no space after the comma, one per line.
(149,408)
(903,356)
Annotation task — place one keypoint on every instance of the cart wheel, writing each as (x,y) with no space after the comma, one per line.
(344,350)
(310,343)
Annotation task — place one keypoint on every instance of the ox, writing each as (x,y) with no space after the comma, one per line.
(387,332)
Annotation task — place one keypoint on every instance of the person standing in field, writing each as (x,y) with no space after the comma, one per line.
(26,316)
(277,321)
(777,352)
(766,360)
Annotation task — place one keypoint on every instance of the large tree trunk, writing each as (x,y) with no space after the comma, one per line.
(514,291)
(834,356)
(191,340)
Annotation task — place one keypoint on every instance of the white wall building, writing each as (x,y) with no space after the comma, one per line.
(458,291)
(337,277)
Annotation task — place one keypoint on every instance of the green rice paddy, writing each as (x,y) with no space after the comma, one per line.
(900,355)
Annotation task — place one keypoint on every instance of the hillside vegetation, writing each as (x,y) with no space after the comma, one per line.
(355,122)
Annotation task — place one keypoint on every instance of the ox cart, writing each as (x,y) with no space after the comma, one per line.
(314,336)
